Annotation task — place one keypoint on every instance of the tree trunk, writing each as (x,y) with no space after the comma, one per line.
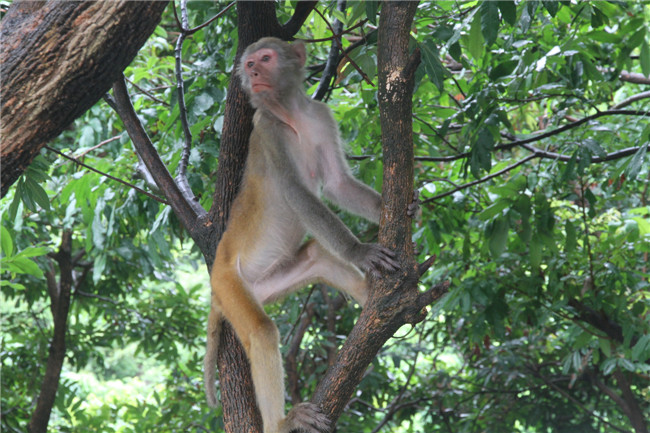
(394,299)
(60,306)
(57,59)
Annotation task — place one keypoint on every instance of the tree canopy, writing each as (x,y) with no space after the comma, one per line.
(529,136)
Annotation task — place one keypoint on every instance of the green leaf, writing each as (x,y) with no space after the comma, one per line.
(508,11)
(644,58)
(475,43)
(503,69)
(641,350)
(23,265)
(432,65)
(371,11)
(494,210)
(636,162)
(598,18)
(490,21)
(481,154)
(570,241)
(37,193)
(33,252)
(535,251)
(551,6)
(99,267)
(498,237)
(6,243)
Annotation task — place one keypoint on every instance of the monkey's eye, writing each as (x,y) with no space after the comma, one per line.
(250,64)
(266,58)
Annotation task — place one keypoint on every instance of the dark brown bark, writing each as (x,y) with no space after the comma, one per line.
(57,59)
(395,299)
(60,306)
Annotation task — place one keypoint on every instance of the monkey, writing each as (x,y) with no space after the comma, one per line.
(295,157)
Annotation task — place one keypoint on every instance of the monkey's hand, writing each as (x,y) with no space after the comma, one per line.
(373,258)
(307,418)
(414,206)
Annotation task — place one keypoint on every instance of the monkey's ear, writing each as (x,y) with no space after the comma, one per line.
(299,49)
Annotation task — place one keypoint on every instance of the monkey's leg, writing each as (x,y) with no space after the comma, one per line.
(261,341)
(313,263)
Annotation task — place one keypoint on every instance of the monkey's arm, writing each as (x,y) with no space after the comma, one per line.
(323,224)
(353,196)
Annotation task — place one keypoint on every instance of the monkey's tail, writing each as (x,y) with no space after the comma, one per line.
(211,353)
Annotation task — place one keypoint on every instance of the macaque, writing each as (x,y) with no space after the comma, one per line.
(295,156)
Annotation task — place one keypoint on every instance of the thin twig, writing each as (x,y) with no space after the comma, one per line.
(544,135)
(481,180)
(180,88)
(345,55)
(332,59)
(123,182)
(109,140)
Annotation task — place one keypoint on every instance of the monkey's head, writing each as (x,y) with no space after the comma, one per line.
(271,71)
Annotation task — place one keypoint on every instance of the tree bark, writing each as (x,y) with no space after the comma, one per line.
(394,299)
(57,59)
(60,306)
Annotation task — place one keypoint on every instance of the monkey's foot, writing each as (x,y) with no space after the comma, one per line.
(306,418)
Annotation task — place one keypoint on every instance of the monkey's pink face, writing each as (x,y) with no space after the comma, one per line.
(260,67)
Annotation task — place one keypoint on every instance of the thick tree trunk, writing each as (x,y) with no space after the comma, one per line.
(394,299)
(57,59)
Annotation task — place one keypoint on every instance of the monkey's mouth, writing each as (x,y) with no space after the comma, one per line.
(259,87)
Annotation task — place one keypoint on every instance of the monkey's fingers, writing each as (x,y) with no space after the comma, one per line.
(306,417)
(414,206)
(388,260)
(382,259)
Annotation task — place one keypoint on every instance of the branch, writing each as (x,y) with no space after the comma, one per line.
(391,302)
(97,146)
(544,135)
(632,99)
(181,174)
(208,22)
(332,58)
(575,401)
(291,358)
(123,182)
(60,306)
(337,39)
(481,180)
(632,77)
(187,209)
(303,9)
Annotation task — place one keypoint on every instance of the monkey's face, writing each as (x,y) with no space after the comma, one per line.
(260,67)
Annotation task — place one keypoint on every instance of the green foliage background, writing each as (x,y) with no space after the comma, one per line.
(547,255)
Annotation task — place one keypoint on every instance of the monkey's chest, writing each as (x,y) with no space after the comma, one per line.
(308,161)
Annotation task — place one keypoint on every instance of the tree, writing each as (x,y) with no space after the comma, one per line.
(34,113)
(529,140)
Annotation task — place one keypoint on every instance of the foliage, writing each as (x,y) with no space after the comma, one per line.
(540,222)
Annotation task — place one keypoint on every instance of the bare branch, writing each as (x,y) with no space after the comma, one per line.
(186,208)
(337,39)
(632,99)
(181,174)
(544,135)
(332,58)
(635,78)
(481,180)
